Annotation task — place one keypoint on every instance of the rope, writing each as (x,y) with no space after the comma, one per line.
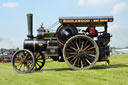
(53,25)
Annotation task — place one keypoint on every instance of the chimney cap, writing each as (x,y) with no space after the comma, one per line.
(29,14)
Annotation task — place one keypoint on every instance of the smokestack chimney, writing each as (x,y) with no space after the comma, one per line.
(30,26)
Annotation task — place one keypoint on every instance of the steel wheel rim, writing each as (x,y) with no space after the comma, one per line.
(23,61)
(81,52)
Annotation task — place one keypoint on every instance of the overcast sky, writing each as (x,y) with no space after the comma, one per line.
(13,24)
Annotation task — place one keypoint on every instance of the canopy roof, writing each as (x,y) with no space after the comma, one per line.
(85,21)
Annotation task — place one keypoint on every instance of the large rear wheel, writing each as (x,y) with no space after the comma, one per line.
(81,52)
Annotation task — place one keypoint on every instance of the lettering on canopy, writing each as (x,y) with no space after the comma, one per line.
(85,20)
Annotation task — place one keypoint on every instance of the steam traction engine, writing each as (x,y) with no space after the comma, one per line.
(79,49)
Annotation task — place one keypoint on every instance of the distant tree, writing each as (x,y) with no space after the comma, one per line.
(17,48)
(126,47)
(114,47)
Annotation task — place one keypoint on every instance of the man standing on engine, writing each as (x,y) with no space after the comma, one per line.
(92,31)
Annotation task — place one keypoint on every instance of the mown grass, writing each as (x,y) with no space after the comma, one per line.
(58,73)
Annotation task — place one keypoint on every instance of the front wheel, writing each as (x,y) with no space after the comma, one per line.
(23,61)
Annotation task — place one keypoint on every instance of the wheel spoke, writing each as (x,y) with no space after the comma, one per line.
(88,61)
(24,68)
(29,57)
(91,48)
(90,52)
(25,56)
(27,66)
(84,60)
(75,62)
(89,58)
(74,53)
(20,66)
(72,44)
(39,61)
(74,58)
(38,64)
(73,48)
(77,45)
(82,45)
(38,55)
(19,56)
(70,56)
(91,55)
(79,42)
(29,61)
(70,50)
(86,47)
(78,61)
(35,66)
(81,64)
(85,43)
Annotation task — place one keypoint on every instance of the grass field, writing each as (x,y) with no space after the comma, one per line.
(57,73)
